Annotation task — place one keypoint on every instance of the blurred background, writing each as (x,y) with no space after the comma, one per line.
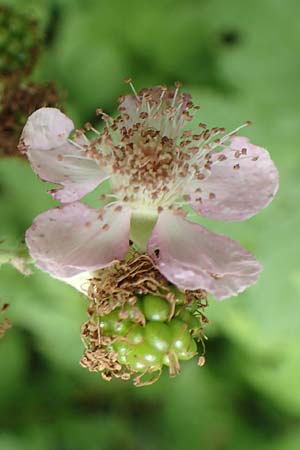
(240,61)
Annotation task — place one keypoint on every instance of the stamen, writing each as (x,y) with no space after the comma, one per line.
(232,133)
(89,127)
(129,81)
(177,86)
(75,144)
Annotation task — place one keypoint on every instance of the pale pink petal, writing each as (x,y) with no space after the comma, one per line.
(47,128)
(55,159)
(68,167)
(74,238)
(238,187)
(192,257)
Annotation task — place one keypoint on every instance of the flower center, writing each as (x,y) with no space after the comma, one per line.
(141,149)
(148,155)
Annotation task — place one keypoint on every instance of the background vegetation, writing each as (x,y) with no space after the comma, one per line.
(241,61)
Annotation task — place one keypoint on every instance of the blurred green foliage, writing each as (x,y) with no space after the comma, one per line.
(241,61)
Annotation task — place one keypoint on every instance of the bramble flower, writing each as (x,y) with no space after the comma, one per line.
(155,167)
(138,319)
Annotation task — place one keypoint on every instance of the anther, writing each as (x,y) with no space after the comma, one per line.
(129,81)
(89,127)
(143,115)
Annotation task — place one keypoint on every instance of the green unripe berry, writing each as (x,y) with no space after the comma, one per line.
(112,324)
(122,359)
(143,356)
(181,338)
(135,334)
(188,318)
(131,310)
(121,327)
(190,353)
(105,325)
(158,335)
(156,308)
(122,349)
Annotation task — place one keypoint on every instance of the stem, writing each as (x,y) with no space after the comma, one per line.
(141,227)
(18,257)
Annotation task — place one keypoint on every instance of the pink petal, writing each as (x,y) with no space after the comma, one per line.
(238,187)
(47,128)
(192,257)
(74,238)
(54,159)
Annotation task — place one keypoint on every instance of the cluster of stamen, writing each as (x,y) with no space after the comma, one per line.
(147,153)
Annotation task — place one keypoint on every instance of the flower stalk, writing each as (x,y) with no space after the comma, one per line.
(142,224)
